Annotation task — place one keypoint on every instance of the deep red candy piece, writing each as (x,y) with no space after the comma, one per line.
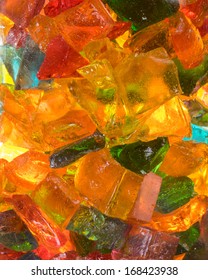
(17,37)
(61,60)
(55,7)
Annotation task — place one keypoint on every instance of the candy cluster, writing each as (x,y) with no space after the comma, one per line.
(103,140)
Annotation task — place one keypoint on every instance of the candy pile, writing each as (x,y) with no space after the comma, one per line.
(103,140)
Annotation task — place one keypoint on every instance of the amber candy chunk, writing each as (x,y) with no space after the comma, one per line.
(183,158)
(54,196)
(182,218)
(85,22)
(27,170)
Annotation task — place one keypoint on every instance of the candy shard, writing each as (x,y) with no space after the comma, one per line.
(147,197)
(148,244)
(70,153)
(61,60)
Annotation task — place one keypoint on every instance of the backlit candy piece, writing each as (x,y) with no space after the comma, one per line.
(88,21)
(55,7)
(73,126)
(52,196)
(6,25)
(170,119)
(42,30)
(147,197)
(184,158)
(148,244)
(186,40)
(202,95)
(27,170)
(145,81)
(21,12)
(174,221)
(152,37)
(196,11)
(43,229)
(106,184)
(61,60)
(200,179)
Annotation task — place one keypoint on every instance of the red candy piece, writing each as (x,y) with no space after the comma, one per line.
(55,7)
(21,12)
(61,60)
(17,37)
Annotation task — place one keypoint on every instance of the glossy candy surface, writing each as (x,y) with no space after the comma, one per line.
(104,130)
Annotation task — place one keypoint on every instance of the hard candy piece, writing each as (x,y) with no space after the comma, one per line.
(108,233)
(174,192)
(183,158)
(147,197)
(83,245)
(55,7)
(143,14)
(61,60)
(12,59)
(42,30)
(53,197)
(27,170)
(72,127)
(17,37)
(106,184)
(70,153)
(200,179)
(152,37)
(196,11)
(147,244)
(174,221)
(32,59)
(139,157)
(170,119)
(147,80)
(14,234)
(43,229)
(21,12)
(187,41)
(6,25)
(119,28)
(199,134)
(85,22)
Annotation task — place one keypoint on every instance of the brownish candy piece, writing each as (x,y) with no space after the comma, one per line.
(148,244)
